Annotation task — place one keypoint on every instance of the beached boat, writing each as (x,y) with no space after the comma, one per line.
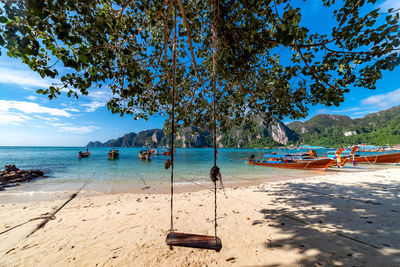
(312,154)
(84,154)
(113,154)
(375,159)
(288,161)
(144,154)
(370,159)
(312,147)
(370,148)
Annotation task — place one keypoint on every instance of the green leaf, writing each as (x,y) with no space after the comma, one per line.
(83,58)
(3,19)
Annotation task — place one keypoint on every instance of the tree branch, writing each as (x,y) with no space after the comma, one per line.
(314,73)
(122,9)
(189,40)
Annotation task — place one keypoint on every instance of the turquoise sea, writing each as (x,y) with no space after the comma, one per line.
(65,172)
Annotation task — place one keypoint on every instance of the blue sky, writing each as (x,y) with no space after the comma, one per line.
(27,118)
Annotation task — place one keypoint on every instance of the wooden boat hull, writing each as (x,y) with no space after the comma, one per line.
(319,164)
(167,153)
(84,155)
(144,157)
(113,155)
(374,159)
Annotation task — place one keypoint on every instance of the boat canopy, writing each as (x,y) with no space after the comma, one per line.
(275,155)
(312,147)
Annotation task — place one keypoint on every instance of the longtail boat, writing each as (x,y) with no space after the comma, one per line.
(291,162)
(383,158)
(113,154)
(154,152)
(168,151)
(312,147)
(373,159)
(144,154)
(83,154)
(312,155)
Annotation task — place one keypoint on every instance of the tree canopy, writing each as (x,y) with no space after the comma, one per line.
(126,47)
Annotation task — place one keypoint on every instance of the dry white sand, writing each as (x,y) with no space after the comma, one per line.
(340,219)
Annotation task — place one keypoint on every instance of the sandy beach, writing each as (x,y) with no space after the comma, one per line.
(339,219)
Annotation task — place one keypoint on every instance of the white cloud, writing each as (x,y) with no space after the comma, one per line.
(362,113)
(92,106)
(31,97)
(383,100)
(355,112)
(101,95)
(46,118)
(339,111)
(71,128)
(386,5)
(31,108)
(57,124)
(78,129)
(72,109)
(367,105)
(10,118)
(25,78)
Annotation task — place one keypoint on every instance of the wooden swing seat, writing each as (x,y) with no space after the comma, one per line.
(194,241)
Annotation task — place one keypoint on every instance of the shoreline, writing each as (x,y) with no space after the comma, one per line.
(95,188)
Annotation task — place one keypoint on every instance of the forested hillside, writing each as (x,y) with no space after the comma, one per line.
(380,128)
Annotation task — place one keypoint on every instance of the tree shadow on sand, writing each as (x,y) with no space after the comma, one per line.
(335,224)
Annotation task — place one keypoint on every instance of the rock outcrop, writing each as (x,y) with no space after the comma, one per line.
(350,133)
(95,144)
(279,133)
(12,175)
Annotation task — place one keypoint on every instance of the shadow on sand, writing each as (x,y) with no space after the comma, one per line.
(335,224)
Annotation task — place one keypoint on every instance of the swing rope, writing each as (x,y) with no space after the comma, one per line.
(173,122)
(214,84)
(183,239)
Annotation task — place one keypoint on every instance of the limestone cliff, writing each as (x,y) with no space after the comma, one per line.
(263,134)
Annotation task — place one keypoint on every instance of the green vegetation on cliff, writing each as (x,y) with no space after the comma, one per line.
(264,134)
(378,128)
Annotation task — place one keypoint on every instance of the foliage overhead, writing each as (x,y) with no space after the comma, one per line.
(126,46)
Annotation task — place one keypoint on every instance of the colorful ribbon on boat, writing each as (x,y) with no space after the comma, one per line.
(338,160)
(354,162)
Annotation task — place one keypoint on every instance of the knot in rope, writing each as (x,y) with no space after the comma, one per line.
(167,164)
(215,174)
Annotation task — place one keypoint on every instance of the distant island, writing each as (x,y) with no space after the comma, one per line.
(380,128)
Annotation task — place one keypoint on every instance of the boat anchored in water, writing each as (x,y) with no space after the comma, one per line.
(168,151)
(84,154)
(145,154)
(113,154)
